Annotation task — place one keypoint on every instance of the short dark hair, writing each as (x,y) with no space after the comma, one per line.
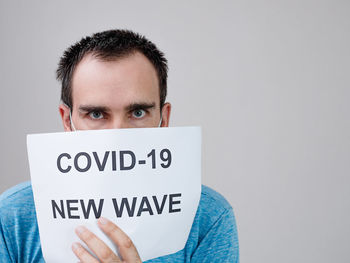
(110,45)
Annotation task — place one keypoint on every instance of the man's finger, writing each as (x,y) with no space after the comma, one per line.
(82,254)
(126,247)
(101,250)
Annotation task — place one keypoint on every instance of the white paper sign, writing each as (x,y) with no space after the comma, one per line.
(147,181)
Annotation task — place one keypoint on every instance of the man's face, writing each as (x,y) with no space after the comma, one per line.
(121,93)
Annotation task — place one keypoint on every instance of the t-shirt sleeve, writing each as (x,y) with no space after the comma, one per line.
(220,244)
(4,250)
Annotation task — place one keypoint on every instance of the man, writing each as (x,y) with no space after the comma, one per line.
(115,79)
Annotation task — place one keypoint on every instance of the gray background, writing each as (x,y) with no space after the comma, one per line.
(268,81)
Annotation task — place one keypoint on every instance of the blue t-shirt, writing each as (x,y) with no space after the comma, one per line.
(213,236)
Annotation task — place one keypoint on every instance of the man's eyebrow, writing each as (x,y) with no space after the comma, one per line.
(89,108)
(143,106)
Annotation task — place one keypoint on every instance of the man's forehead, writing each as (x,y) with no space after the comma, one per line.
(121,82)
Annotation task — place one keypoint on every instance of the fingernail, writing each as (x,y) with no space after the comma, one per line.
(102,220)
(75,246)
(80,229)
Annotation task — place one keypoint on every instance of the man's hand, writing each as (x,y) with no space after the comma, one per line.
(126,248)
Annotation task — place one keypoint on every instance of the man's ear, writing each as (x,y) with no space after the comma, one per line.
(64,112)
(166,110)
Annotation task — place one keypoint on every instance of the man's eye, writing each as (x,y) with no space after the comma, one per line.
(138,114)
(96,115)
